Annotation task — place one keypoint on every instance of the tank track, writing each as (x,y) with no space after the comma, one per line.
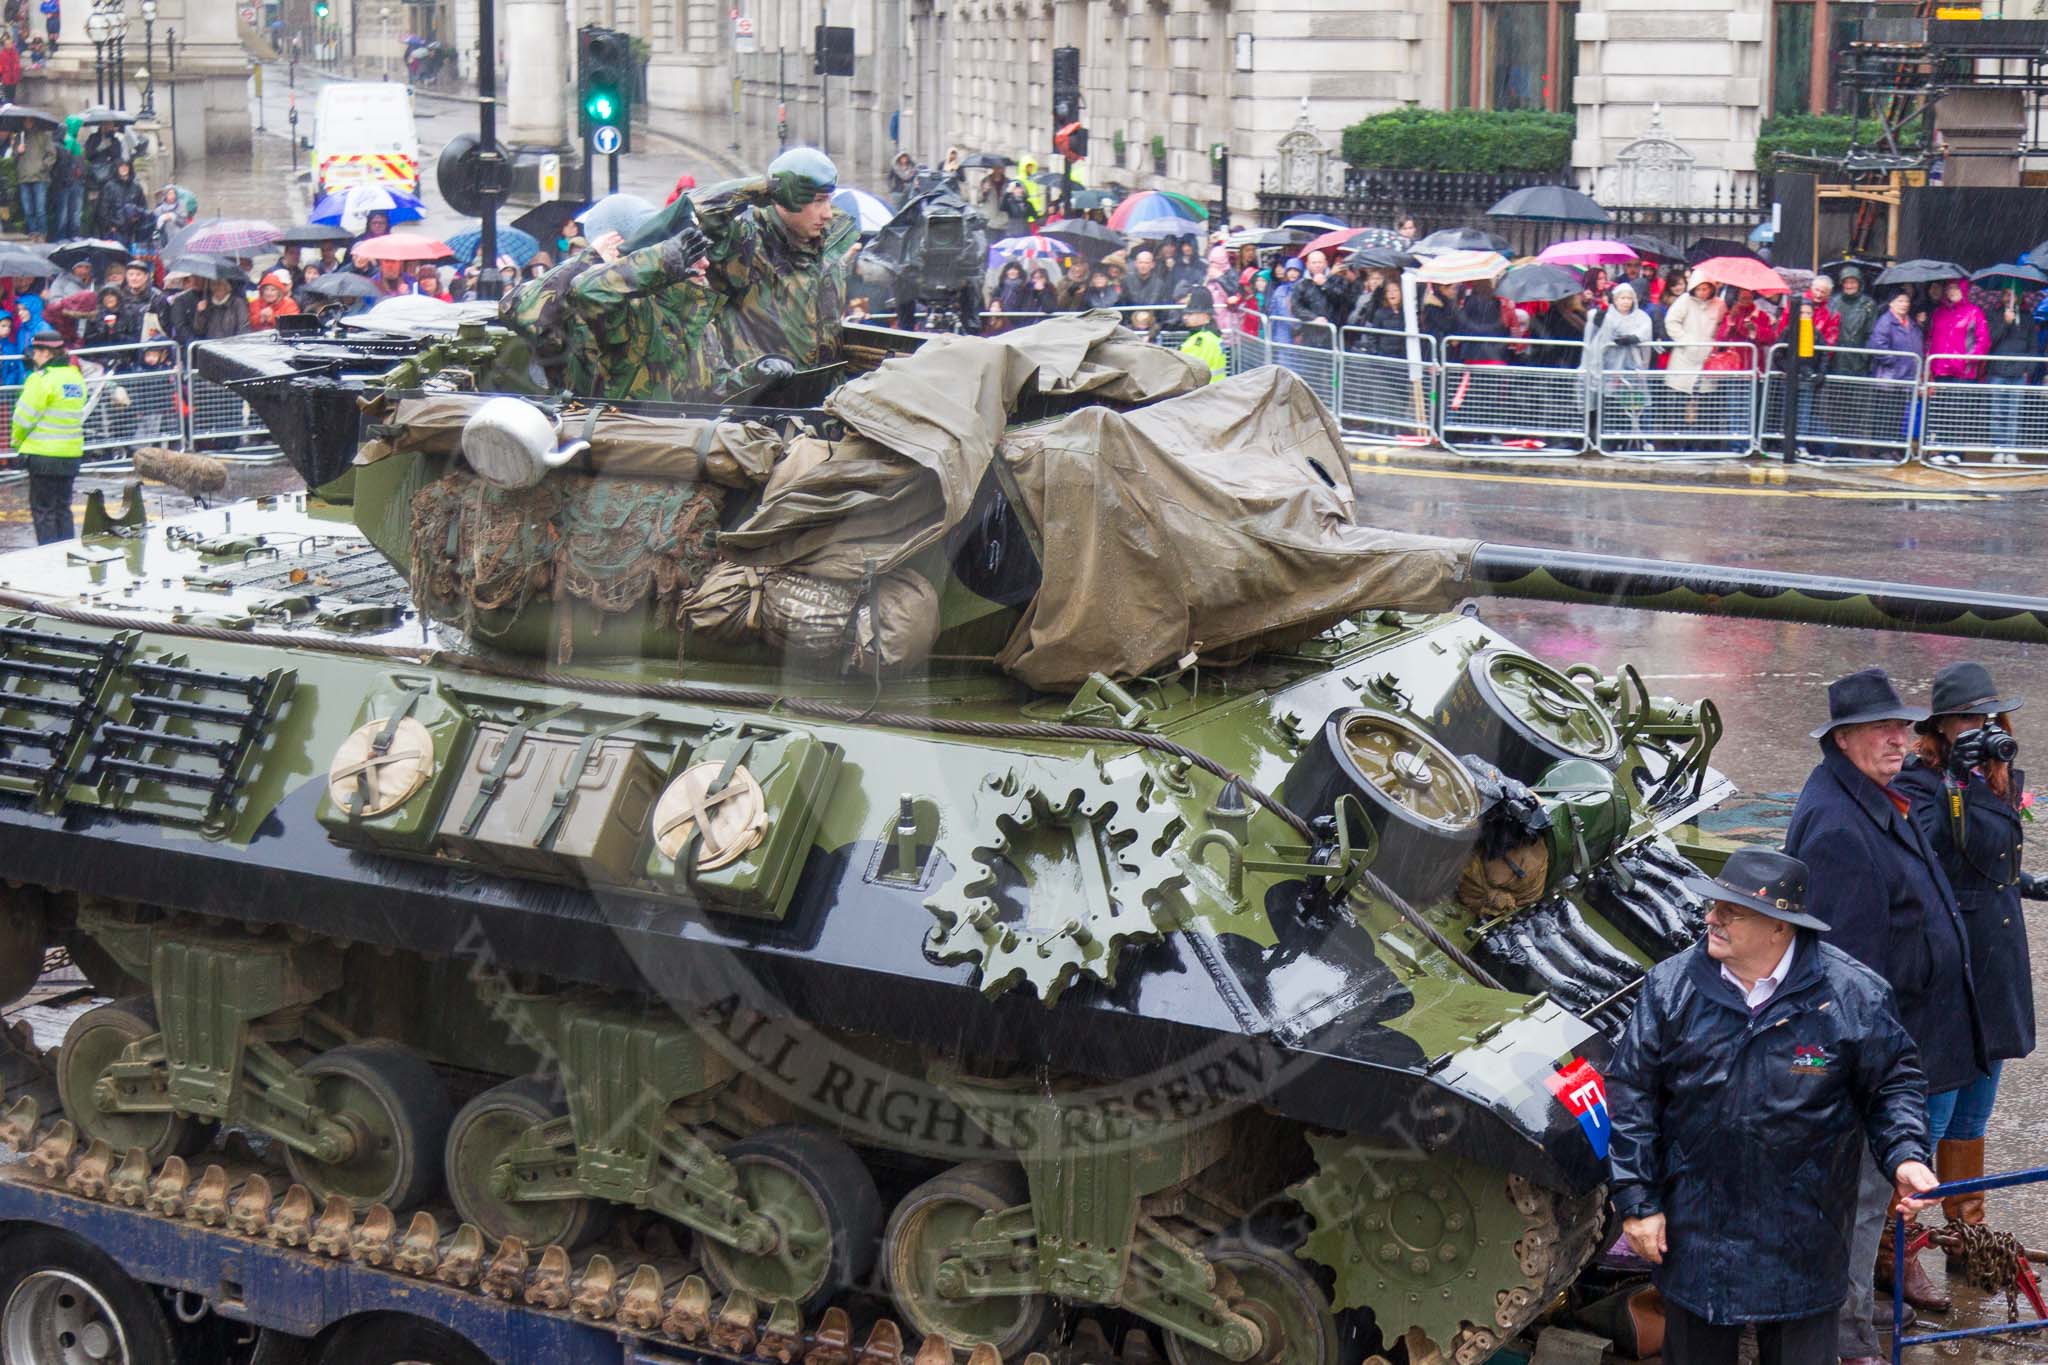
(651,1287)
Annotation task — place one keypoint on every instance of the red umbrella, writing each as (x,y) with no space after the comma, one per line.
(1742,273)
(1331,242)
(401,246)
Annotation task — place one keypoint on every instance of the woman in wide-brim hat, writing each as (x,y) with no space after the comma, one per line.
(1967,797)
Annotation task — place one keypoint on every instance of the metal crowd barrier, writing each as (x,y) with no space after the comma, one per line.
(1992,416)
(1535,404)
(1386,386)
(1845,418)
(217,414)
(133,397)
(1682,411)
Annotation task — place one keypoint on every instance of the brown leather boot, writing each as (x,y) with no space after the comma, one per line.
(1960,1159)
(1921,1291)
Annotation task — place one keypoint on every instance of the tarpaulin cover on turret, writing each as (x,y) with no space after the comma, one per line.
(1211,524)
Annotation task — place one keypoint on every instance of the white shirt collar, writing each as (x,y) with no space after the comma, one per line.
(1760,994)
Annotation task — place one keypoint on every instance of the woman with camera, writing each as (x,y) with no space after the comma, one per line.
(1966,797)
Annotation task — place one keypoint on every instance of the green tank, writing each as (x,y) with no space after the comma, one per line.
(984,840)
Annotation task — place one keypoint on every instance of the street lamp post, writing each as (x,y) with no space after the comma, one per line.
(384,27)
(96,29)
(145,75)
(117,79)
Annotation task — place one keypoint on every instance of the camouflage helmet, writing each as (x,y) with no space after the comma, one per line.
(800,174)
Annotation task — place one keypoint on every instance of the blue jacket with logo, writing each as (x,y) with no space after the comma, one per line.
(1747,1131)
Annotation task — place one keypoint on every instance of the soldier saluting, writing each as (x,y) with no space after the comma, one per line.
(728,287)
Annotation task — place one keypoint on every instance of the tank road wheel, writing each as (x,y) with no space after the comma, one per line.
(95,1041)
(395,1106)
(486,1129)
(931,1220)
(823,1203)
(63,1302)
(1276,1290)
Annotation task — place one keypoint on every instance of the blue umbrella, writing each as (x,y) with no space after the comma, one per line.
(363,200)
(869,214)
(520,246)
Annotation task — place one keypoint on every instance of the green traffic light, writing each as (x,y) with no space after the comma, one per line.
(601,106)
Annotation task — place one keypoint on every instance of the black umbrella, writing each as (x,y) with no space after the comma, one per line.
(1048,178)
(2009,276)
(544,224)
(96,249)
(1380,237)
(1707,248)
(19,118)
(1920,272)
(1643,244)
(1836,267)
(100,115)
(16,264)
(986,161)
(313,234)
(340,284)
(1091,240)
(1460,239)
(1553,203)
(208,268)
(1540,282)
(1380,258)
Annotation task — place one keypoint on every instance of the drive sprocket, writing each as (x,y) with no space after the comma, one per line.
(1068,876)
(1424,1241)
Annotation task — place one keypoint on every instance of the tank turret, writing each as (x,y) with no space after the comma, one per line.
(1007,846)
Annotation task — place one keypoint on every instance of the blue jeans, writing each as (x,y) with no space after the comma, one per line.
(1941,1109)
(70,213)
(1971,1107)
(2005,412)
(35,206)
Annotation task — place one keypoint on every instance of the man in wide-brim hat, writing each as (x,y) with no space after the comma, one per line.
(1758,1069)
(1878,884)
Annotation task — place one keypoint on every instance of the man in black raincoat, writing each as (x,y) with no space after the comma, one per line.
(1878,880)
(1755,1068)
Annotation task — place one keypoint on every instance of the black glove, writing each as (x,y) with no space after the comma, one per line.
(1966,753)
(2033,888)
(773,369)
(685,249)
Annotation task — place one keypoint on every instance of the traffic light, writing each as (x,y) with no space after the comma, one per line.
(832,50)
(604,84)
(1071,142)
(320,10)
(1066,86)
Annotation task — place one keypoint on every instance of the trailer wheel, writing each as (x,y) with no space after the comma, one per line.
(391,1339)
(63,1302)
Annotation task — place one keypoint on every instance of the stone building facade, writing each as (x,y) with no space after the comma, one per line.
(1664,94)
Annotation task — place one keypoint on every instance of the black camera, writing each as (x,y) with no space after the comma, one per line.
(1993,741)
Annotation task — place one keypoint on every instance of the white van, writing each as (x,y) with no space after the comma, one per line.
(363,133)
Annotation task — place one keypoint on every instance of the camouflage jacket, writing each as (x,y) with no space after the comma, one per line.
(783,297)
(645,327)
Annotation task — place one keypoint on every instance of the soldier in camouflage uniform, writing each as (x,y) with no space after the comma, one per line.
(768,299)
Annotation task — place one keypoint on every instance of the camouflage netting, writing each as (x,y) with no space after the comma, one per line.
(616,544)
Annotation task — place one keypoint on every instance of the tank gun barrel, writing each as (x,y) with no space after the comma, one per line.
(1719,590)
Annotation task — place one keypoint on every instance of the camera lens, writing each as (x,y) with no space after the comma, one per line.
(2000,746)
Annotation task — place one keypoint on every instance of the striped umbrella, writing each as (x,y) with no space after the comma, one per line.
(1032,247)
(233,237)
(1131,216)
(1460,267)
